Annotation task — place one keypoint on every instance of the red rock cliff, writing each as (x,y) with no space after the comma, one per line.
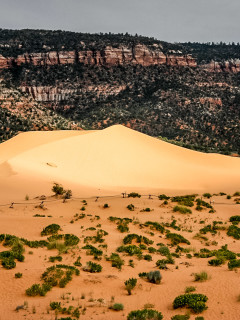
(139,54)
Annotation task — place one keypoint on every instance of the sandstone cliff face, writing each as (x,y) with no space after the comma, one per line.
(226,66)
(45,94)
(139,54)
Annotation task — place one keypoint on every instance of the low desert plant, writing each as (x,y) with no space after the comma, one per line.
(201,276)
(195,302)
(18,275)
(92,267)
(134,195)
(131,207)
(50,229)
(145,314)
(182,209)
(117,307)
(130,284)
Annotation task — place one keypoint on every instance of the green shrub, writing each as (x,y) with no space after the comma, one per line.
(37,289)
(147,257)
(203,203)
(182,209)
(130,250)
(146,210)
(139,239)
(56,258)
(207,195)
(130,284)
(216,262)
(229,197)
(58,189)
(202,276)
(93,251)
(234,231)
(123,227)
(105,206)
(117,262)
(176,238)
(163,197)
(236,194)
(50,230)
(18,275)
(164,251)
(71,240)
(181,317)
(145,314)
(134,195)
(152,276)
(77,263)
(92,267)
(117,307)
(235,219)
(154,225)
(199,318)
(8,263)
(190,289)
(67,194)
(232,264)
(196,302)
(131,207)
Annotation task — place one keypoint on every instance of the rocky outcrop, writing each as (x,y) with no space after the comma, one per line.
(232,66)
(57,94)
(45,94)
(138,54)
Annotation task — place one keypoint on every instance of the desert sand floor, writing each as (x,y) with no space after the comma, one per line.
(106,163)
(94,293)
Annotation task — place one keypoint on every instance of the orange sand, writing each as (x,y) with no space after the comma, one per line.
(106,163)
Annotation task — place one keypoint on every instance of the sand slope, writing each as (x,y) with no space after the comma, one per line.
(114,158)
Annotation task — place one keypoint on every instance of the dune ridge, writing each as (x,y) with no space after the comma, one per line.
(111,159)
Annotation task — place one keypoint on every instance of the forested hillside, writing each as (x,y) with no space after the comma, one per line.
(186,92)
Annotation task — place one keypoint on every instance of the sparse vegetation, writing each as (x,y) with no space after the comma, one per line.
(195,302)
(130,284)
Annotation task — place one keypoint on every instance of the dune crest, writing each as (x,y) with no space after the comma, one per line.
(116,157)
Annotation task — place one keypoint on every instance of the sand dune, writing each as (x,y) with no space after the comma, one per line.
(114,158)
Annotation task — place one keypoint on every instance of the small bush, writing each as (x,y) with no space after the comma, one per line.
(196,302)
(58,189)
(145,314)
(92,267)
(234,231)
(117,307)
(229,197)
(130,284)
(181,317)
(77,263)
(18,275)
(163,197)
(8,263)
(131,207)
(202,276)
(105,206)
(207,195)
(50,230)
(134,195)
(232,264)
(117,262)
(176,238)
(216,262)
(56,258)
(182,209)
(235,219)
(152,276)
(190,289)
